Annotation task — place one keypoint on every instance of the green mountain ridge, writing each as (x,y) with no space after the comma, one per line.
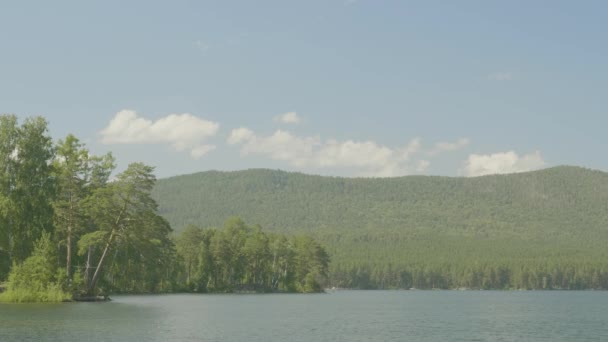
(550,201)
(556,217)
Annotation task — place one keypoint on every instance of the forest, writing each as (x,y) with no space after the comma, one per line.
(72,228)
(545,229)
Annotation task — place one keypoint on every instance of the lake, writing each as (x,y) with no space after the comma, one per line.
(334,316)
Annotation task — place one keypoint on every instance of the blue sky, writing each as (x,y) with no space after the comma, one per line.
(350,88)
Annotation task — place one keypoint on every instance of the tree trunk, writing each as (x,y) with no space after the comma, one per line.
(97,273)
(69,240)
(10,248)
(87,271)
(188,272)
(69,254)
(93,283)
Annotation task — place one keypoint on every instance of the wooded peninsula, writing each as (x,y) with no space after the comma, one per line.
(70,230)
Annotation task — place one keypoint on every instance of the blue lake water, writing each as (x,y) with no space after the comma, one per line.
(335,316)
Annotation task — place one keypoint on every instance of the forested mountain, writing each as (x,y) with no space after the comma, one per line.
(561,201)
(542,229)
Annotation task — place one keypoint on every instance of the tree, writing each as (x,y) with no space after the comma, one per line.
(34,186)
(124,215)
(71,171)
(283,257)
(78,174)
(188,247)
(226,248)
(8,147)
(27,184)
(207,273)
(312,262)
(257,254)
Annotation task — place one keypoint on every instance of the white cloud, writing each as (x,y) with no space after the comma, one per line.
(503,162)
(288,118)
(199,151)
(368,158)
(501,76)
(181,131)
(281,145)
(441,147)
(240,135)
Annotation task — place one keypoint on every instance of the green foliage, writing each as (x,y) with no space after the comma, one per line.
(71,170)
(34,187)
(188,246)
(551,202)
(36,280)
(123,244)
(243,258)
(96,238)
(52,294)
(26,186)
(78,174)
(130,247)
(543,229)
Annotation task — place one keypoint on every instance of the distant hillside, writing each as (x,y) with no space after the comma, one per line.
(560,212)
(557,201)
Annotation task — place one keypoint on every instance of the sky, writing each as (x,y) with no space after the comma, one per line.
(356,88)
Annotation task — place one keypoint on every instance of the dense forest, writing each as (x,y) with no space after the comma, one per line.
(71,229)
(538,230)
(238,257)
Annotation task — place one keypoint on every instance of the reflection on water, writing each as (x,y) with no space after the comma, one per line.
(337,316)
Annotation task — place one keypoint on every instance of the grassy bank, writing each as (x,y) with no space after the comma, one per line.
(50,295)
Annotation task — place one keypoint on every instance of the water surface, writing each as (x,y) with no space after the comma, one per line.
(336,316)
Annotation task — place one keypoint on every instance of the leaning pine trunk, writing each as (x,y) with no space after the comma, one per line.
(87,274)
(97,273)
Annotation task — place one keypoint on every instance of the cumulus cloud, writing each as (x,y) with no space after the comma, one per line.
(281,145)
(369,158)
(240,135)
(441,147)
(184,132)
(288,118)
(503,162)
(501,76)
(199,151)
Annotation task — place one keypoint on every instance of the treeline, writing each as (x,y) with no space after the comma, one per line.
(549,276)
(539,230)
(489,276)
(68,231)
(242,258)
(450,262)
